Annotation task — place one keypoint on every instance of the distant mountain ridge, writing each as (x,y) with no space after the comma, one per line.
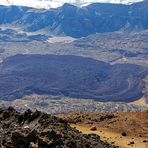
(73,21)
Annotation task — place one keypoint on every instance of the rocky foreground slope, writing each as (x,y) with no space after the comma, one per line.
(41,130)
(123,129)
(132,123)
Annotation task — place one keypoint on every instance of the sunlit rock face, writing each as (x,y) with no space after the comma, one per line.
(57,3)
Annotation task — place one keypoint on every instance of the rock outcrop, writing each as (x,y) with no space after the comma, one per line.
(41,130)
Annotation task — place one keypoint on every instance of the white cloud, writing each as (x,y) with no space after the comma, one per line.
(57,3)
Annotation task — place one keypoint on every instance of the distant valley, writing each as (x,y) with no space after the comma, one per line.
(70,76)
(89,53)
(75,75)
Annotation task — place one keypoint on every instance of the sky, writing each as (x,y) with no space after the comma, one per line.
(57,3)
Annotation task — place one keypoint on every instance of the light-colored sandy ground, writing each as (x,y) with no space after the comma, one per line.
(113,137)
(110,127)
(142,101)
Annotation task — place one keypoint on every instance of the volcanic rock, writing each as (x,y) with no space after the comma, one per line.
(40,130)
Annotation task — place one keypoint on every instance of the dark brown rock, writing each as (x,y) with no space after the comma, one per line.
(124,134)
(93,128)
(40,130)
